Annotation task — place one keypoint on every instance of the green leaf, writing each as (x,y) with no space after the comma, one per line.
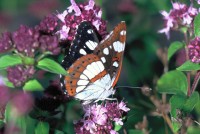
(9,60)
(42,128)
(182,103)
(173,48)
(51,66)
(134,131)
(191,102)
(193,130)
(33,85)
(1,124)
(59,132)
(197,25)
(188,66)
(117,127)
(173,82)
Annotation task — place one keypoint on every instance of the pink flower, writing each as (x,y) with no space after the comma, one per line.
(113,132)
(118,121)
(194,50)
(100,118)
(178,6)
(90,126)
(180,16)
(123,107)
(77,13)
(198,1)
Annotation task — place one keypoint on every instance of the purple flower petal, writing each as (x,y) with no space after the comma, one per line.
(123,107)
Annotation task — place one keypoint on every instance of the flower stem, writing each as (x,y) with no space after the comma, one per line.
(187,58)
(196,80)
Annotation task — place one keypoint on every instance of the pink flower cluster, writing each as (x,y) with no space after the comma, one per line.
(99,119)
(77,13)
(180,16)
(194,50)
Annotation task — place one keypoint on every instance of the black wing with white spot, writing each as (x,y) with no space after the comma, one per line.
(85,42)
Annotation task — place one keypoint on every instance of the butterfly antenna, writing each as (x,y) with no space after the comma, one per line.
(146,88)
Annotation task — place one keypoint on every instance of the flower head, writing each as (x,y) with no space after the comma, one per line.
(77,13)
(19,74)
(5,42)
(100,118)
(26,40)
(194,50)
(49,43)
(180,16)
(48,24)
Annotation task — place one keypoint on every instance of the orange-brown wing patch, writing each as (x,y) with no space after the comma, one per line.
(76,78)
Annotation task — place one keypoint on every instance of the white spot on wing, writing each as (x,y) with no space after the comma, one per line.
(115,64)
(91,44)
(106,51)
(82,51)
(123,32)
(88,74)
(80,88)
(83,77)
(89,31)
(91,69)
(82,82)
(103,59)
(100,65)
(94,65)
(118,46)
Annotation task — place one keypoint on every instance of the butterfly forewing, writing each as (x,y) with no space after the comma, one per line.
(111,51)
(84,43)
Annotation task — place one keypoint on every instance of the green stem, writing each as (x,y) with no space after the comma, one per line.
(187,58)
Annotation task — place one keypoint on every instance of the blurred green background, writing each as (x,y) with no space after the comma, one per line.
(144,55)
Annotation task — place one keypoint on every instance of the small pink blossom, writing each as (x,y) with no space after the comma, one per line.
(90,126)
(61,16)
(187,19)
(123,107)
(178,6)
(90,5)
(198,1)
(180,16)
(75,14)
(118,121)
(113,132)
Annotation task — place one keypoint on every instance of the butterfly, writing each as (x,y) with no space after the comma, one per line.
(94,67)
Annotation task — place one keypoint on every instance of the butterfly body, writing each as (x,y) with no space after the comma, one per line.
(94,67)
